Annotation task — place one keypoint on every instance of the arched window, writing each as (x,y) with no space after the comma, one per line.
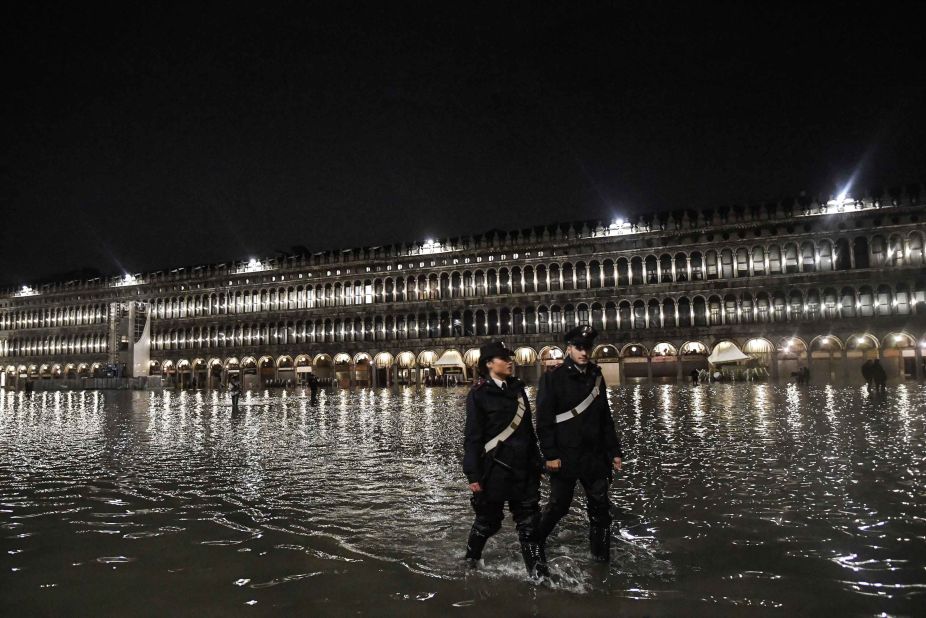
(775,265)
(758,260)
(665,267)
(710,264)
(808,257)
(583,314)
(556,319)
(726,264)
(543,319)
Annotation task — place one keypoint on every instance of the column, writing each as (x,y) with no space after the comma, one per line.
(649,369)
(918,356)
(773,364)
(845,365)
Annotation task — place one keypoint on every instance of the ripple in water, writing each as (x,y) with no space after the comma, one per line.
(733,498)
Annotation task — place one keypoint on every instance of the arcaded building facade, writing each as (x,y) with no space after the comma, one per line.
(823,285)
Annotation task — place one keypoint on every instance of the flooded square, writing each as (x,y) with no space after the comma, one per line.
(735,499)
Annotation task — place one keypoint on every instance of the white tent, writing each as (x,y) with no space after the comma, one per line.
(450,358)
(726,352)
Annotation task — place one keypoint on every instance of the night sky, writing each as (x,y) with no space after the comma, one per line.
(140,139)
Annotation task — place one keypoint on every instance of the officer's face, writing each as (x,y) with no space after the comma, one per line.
(578,354)
(500,367)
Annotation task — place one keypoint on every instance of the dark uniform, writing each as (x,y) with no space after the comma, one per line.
(235,389)
(313,387)
(585,444)
(510,472)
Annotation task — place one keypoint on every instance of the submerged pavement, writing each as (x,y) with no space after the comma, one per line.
(734,499)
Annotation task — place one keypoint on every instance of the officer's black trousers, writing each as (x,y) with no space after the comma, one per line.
(522,497)
(562,489)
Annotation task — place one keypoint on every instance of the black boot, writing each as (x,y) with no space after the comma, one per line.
(474,547)
(535,559)
(600,542)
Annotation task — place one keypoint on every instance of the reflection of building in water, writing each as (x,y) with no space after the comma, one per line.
(827,285)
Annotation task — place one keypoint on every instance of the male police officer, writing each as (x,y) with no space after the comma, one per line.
(501,459)
(578,440)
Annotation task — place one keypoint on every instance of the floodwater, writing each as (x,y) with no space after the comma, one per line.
(734,500)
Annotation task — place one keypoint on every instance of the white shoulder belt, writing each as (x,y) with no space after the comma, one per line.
(511,428)
(579,409)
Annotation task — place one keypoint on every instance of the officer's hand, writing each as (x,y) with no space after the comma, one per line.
(554,464)
(617,464)
(475,487)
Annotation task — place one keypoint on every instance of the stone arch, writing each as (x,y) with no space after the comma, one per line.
(383,360)
(362,357)
(550,357)
(694,348)
(471,357)
(760,349)
(525,356)
(826,343)
(406,360)
(664,349)
(605,352)
(426,358)
(634,350)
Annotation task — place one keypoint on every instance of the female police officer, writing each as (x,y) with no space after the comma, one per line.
(501,459)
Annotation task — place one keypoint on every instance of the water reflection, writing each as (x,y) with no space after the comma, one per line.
(731,497)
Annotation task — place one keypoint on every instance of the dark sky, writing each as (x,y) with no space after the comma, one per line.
(137,139)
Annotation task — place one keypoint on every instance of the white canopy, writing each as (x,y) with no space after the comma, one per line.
(450,358)
(726,352)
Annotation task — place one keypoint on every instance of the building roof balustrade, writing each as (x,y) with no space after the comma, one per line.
(543,238)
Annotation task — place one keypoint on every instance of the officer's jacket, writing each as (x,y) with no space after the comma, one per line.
(592,431)
(489,409)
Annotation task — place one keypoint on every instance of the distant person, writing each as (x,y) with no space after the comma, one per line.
(878,376)
(234,389)
(694,376)
(867,374)
(313,387)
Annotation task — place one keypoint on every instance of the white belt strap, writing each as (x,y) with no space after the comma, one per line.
(579,409)
(510,429)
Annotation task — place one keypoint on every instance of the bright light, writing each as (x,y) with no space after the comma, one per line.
(898,338)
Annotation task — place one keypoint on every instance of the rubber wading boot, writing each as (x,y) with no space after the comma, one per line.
(600,543)
(535,559)
(474,547)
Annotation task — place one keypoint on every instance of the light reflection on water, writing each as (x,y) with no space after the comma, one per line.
(733,498)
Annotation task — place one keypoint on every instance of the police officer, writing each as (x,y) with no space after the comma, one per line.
(578,440)
(501,459)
